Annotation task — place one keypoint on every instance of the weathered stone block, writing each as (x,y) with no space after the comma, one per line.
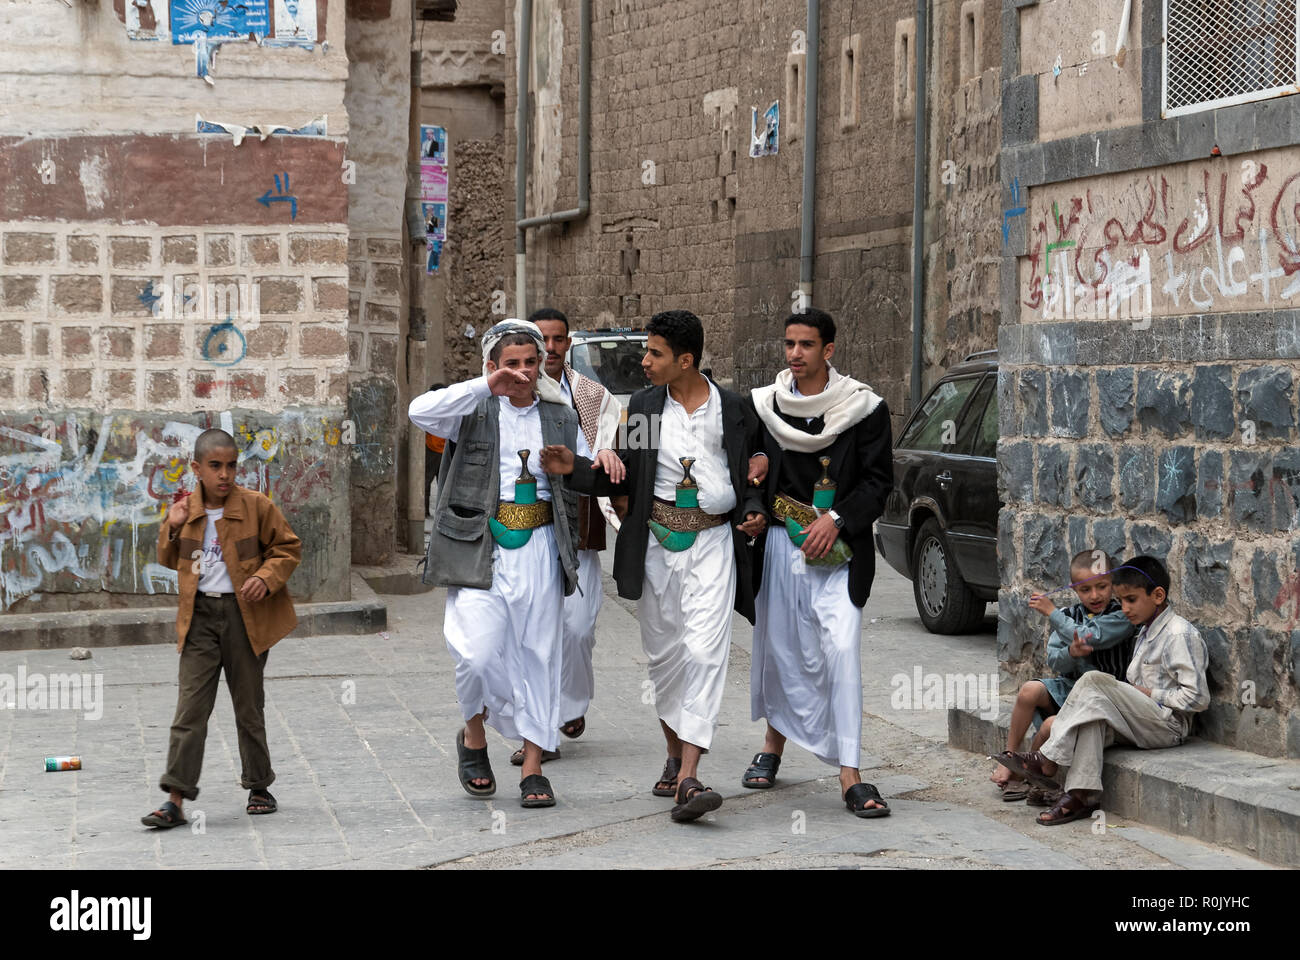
(1209,485)
(1115,399)
(1094,476)
(268,340)
(1015,471)
(317,248)
(1249,480)
(121,386)
(329,293)
(1219,669)
(261,250)
(1109,536)
(130,252)
(1266,397)
(378,315)
(1054,474)
(1008,565)
(77,294)
(1031,387)
(40,340)
(1137,478)
(77,384)
(1163,402)
(1265,579)
(1176,484)
(386,280)
(1211,408)
(20,294)
(162,341)
(1151,541)
(1071,403)
(12,339)
(280,294)
(126,293)
(83,250)
(1259,664)
(1207,571)
(248,386)
(298,387)
(383,355)
(378,248)
(117,343)
(163,387)
(220,249)
(29,248)
(315,340)
(1284,488)
(75,341)
(183,251)
(1046,559)
(1080,534)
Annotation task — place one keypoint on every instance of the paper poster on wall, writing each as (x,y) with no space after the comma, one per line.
(218,20)
(433,182)
(435,256)
(295,24)
(433,143)
(435,220)
(763,140)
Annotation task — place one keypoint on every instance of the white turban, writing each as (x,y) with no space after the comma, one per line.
(547,388)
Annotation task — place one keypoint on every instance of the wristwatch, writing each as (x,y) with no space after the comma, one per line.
(836,519)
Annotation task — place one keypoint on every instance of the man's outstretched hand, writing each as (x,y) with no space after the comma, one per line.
(502,380)
(557,460)
(757,470)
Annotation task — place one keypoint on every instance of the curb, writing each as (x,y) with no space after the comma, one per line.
(1239,800)
(364,613)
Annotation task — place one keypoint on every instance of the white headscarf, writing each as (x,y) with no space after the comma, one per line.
(547,388)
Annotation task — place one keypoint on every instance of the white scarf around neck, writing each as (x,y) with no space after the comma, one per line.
(842,403)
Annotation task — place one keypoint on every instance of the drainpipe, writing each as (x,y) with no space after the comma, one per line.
(808,209)
(918,204)
(417,332)
(579,212)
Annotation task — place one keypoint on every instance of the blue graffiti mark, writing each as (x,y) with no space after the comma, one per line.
(220,354)
(148,297)
(1013,211)
(281,195)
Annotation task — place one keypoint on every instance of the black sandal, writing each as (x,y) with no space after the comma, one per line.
(165,817)
(574,728)
(859,795)
(473,765)
(536,783)
(517,758)
(763,767)
(259,802)
(694,800)
(666,785)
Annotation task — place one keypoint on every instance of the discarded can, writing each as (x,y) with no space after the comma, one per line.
(54,764)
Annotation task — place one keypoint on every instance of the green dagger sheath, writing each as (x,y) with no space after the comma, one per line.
(525,493)
(823,499)
(687,495)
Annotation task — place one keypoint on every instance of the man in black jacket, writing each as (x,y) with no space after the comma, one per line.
(685,471)
(828,442)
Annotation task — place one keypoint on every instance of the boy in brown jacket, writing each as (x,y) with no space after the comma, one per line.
(234,551)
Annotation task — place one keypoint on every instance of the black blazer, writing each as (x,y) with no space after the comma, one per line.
(862,466)
(740,438)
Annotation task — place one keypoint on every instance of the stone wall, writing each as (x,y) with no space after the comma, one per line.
(1149,354)
(154,281)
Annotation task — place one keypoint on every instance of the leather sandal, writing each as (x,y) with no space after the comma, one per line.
(1029,766)
(666,786)
(761,774)
(1067,809)
(260,801)
(165,817)
(473,765)
(537,784)
(574,728)
(694,800)
(517,758)
(859,795)
(1042,797)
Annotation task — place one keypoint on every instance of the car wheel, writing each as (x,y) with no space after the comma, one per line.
(943,600)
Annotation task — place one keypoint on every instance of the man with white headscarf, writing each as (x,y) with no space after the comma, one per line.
(499,525)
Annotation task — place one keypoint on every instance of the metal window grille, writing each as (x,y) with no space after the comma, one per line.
(1221,52)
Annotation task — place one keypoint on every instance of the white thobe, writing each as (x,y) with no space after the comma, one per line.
(805,675)
(687,596)
(506,639)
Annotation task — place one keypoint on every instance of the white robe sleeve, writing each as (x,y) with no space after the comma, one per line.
(439,411)
(611,418)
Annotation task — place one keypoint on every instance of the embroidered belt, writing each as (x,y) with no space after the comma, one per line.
(524,516)
(787,507)
(684,519)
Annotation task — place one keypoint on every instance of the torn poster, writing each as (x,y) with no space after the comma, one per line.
(317,128)
(217,19)
(433,182)
(435,257)
(294,26)
(147,19)
(763,142)
(435,220)
(433,143)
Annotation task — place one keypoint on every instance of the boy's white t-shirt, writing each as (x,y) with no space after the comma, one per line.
(213,575)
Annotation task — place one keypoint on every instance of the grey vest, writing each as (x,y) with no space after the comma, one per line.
(460,545)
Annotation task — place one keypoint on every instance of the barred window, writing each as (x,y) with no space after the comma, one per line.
(1221,52)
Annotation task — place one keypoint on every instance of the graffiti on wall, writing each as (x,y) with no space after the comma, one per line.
(1220,235)
(81,496)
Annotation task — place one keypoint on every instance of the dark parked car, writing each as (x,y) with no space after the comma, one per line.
(939,528)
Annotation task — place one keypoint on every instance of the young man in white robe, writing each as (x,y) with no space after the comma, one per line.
(691,490)
(828,445)
(599,414)
(500,524)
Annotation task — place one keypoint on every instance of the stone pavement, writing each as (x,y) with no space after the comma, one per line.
(361,731)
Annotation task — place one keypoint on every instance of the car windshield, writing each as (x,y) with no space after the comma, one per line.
(616,364)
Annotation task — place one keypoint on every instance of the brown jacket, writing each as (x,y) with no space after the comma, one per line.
(257,538)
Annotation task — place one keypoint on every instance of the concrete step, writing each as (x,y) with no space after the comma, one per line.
(1243,801)
(397,577)
(364,613)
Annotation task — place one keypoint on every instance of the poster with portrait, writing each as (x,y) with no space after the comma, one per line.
(294,24)
(435,220)
(433,143)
